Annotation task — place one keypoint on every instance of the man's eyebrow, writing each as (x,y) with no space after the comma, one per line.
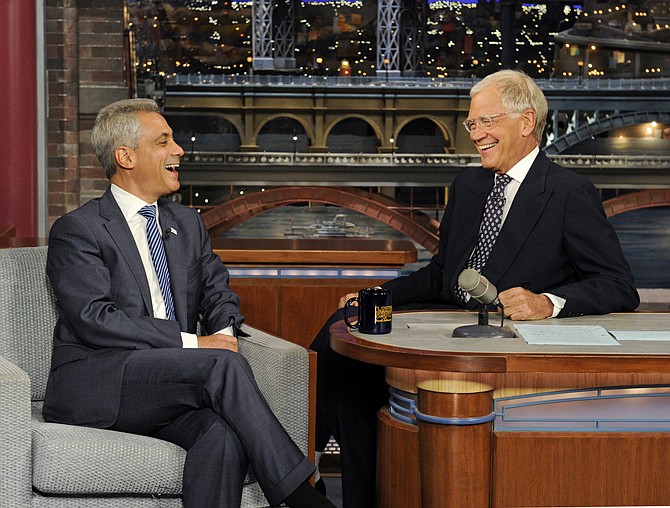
(163,135)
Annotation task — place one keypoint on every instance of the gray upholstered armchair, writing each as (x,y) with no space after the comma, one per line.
(47,464)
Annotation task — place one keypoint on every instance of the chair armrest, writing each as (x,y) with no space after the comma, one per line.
(282,370)
(15,435)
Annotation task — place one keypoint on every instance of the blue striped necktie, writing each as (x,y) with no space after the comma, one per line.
(158,257)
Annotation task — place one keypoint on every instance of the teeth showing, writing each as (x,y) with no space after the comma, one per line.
(486,147)
(171,167)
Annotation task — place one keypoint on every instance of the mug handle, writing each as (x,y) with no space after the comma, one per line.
(346,312)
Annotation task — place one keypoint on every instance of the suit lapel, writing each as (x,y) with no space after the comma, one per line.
(469,221)
(175,257)
(529,203)
(120,234)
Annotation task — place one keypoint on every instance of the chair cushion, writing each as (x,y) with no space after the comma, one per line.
(79,460)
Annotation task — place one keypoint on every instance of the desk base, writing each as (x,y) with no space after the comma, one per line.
(527,468)
(580,469)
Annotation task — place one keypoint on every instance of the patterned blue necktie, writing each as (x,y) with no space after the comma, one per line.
(158,257)
(490,227)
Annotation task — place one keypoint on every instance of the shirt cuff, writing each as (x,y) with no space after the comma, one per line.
(190,340)
(558,302)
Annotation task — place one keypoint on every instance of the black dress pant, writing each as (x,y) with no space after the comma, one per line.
(349,393)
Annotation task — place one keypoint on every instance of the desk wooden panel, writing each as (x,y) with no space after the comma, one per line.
(296,308)
(528,468)
(313,251)
(293,309)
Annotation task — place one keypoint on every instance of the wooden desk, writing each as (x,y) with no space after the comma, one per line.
(429,465)
(314,251)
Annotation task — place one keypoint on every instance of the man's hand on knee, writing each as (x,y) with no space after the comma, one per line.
(217,341)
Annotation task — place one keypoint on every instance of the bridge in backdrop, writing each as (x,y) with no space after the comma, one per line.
(298,130)
(412,222)
(316,114)
(399,170)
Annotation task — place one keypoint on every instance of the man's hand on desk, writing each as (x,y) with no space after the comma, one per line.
(217,341)
(345,299)
(523,305)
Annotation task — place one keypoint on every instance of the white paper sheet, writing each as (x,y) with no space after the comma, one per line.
(641,334)
(569,335)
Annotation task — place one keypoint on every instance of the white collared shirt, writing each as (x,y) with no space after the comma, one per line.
(130,206)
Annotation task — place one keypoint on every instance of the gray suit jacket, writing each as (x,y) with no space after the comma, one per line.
(556,239)
(105,307)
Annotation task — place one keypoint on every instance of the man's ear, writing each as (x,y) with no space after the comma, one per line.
(124,157)
(529,122)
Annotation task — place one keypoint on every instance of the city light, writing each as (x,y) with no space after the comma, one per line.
(449,39)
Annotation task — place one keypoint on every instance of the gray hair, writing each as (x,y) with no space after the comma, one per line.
(117,125)
(518,92)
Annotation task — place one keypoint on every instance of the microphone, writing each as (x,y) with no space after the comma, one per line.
(478,287)
(168,232)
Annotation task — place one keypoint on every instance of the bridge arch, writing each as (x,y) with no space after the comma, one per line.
(228,215)
(205,131)
(443,130)
(307,129)
(367,120)
(647,198)
(605,124)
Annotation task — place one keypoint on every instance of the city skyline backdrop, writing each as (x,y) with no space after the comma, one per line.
(453,39)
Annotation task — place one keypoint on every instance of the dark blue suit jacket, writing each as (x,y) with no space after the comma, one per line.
(105,307)
(556,239)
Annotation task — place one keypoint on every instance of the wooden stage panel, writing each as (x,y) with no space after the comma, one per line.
(293,309)
(397,463)
(314,251)
(580,469)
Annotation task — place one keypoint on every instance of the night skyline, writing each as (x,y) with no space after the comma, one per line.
(452,39)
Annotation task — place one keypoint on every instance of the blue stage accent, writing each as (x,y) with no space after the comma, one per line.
(614,409)
(403,407)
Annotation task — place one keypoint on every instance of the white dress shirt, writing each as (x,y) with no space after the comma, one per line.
(130,206)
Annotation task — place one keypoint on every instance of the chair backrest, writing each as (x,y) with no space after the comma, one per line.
(27,313)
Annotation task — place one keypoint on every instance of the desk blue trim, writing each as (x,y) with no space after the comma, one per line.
(403,407)
(612,409)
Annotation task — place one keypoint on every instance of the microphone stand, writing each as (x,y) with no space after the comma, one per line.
(483,329)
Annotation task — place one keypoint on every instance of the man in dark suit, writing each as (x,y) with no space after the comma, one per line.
(556,255)
(126,355)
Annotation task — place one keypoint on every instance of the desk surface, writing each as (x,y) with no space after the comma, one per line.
(431,347)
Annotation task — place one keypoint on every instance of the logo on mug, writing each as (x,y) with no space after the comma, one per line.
(383,314)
